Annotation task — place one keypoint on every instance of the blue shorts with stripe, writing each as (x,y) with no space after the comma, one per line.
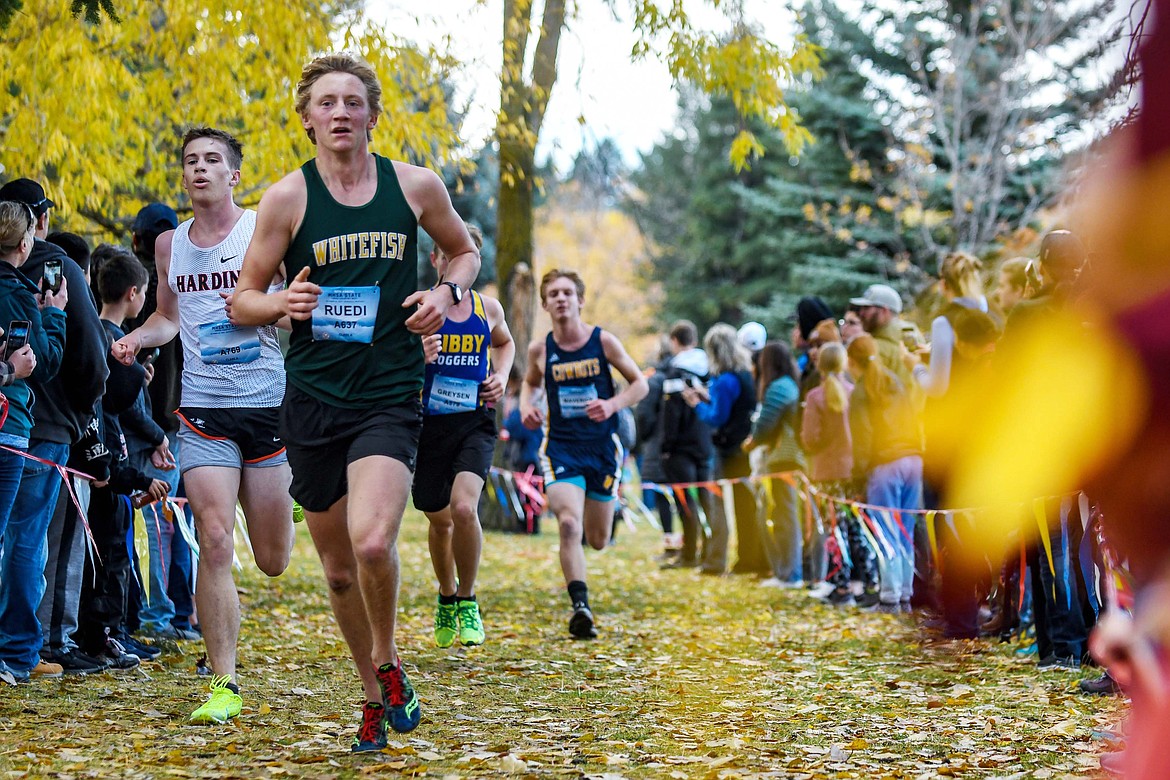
(594,467)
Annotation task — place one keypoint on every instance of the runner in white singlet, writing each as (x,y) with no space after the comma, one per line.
(233,385)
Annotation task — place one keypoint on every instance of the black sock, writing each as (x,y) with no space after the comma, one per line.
(466,598)
(233,688)
(579,593)
(448,601)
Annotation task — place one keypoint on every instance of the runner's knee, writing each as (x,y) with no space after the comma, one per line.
(463,512)
(217,542)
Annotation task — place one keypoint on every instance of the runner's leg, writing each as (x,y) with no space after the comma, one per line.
(467,543)
(567,502)
(212,491)
(268,509)
(330,533)
(598,523)
(378,489)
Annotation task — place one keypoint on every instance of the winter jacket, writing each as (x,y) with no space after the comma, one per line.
(65,402)
(47,336)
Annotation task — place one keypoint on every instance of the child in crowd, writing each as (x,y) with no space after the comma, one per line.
(122,284)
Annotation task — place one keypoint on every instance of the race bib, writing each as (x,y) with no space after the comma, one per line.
(574,399)
(346,314)
(450,395)
(221,343)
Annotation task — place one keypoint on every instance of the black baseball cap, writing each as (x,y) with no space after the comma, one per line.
(28,192)
(155,218)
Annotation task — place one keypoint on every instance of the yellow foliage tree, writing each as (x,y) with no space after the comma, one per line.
(605,246)
(95,111)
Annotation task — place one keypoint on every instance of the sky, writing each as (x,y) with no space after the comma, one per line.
(599,92)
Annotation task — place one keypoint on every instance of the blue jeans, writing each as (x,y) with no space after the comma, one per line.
(157,612)
(11,467)
(25,550)
(897,485)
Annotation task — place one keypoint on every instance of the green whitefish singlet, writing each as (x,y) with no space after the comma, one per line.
(355,247)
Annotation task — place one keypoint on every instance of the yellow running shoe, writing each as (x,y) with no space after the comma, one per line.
(446,624)
(470,625)
(223,705)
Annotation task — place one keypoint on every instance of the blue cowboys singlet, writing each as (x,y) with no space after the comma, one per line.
(572,380)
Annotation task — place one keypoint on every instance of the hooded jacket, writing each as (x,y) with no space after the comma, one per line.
(47,337)
(65,403)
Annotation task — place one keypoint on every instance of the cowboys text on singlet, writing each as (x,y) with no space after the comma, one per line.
(452,380)
(224,365)
(356,352)
(572,380)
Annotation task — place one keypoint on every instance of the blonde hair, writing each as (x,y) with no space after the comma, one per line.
(1016,270)
(830,364)
(338,63)
(880,384)
(724,350)
(476,238)
(825,332)
(17,223)
(961,273)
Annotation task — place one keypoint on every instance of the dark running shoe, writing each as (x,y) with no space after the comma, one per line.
(402,708)
(116,657)
(73,661)
(1100,686)
(581,623)
(371,734)
(1056,663)
(141,649)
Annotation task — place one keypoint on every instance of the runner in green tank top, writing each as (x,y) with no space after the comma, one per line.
(345,227)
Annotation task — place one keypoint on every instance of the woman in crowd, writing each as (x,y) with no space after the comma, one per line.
(775,428)
(727,407)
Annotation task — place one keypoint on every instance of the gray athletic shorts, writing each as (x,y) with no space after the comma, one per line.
(233,438)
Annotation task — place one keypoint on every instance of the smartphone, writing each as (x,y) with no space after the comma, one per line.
(17,336)
(51,279)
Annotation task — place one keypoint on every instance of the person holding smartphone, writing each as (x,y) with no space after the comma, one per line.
(37,320)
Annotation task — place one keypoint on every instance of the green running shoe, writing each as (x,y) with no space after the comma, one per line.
(446,624)
(223,705)
(371,734)
(470,624)
(298,513)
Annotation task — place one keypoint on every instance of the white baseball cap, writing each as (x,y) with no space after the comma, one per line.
(880,295)
(752,335)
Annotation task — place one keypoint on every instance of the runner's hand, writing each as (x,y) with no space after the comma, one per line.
(227,304)
(23,361)
(302,296)
(532,417)
(492,389)
(432,310)
(126,348)
(600,409)
(432,346)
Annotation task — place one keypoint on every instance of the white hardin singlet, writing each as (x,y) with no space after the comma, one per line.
(223,366)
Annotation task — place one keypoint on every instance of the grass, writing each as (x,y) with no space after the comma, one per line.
(691,677)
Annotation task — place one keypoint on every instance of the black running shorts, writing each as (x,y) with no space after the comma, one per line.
(322,440)
(232,437)
(451,443)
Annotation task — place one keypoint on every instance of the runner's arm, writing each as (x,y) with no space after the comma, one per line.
(163,323)
(279,211)
(428,197)
(503,351)
(531,414)
(617,356)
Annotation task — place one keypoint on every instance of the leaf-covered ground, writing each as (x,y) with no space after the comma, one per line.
(692,676)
